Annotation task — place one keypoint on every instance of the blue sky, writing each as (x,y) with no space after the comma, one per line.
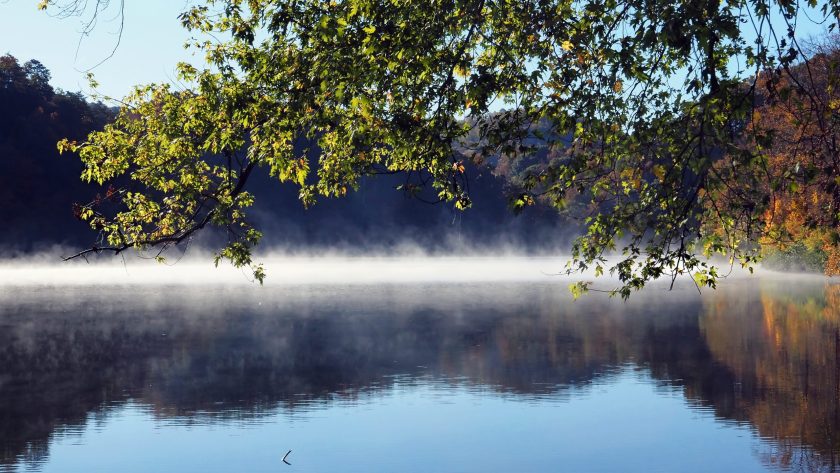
(151,44)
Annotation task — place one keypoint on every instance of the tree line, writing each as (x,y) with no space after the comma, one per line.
(665,165)
(43,196)
(37,186)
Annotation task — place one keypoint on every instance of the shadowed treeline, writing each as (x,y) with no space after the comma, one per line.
(767,357)
(38,189)
(37,186)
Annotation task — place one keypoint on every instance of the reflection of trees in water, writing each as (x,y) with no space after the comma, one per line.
(789,454)
(236,355)
(748,357)
(783,347)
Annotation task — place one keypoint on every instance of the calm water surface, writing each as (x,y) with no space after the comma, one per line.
(458,377)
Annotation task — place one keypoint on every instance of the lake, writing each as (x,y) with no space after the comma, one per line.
(462,377)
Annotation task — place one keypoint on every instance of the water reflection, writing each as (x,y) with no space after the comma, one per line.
(759,355)
(783,347)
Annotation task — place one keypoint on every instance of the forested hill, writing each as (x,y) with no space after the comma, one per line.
(38,188)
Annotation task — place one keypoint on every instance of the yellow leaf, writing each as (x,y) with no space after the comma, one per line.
(659,172)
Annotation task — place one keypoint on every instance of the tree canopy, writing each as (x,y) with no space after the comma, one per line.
(650,106)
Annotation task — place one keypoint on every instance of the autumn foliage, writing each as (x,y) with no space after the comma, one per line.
(790,196)
(803,159)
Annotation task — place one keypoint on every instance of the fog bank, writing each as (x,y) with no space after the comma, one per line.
(288,269)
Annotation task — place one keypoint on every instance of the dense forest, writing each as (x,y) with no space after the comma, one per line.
(37,186)
(42,192)
(650,109)
(40,189)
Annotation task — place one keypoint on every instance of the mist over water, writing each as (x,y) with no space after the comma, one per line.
(409,264)
(284,270)
(382,376)
(360,362)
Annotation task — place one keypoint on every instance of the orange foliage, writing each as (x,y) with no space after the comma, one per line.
(798,110)
(784,347)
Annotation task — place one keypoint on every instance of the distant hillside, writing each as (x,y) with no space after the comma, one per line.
(38,189)
(37,186)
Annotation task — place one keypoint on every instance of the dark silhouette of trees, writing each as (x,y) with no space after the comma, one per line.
(40,190)
(650,96)
(37,186)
